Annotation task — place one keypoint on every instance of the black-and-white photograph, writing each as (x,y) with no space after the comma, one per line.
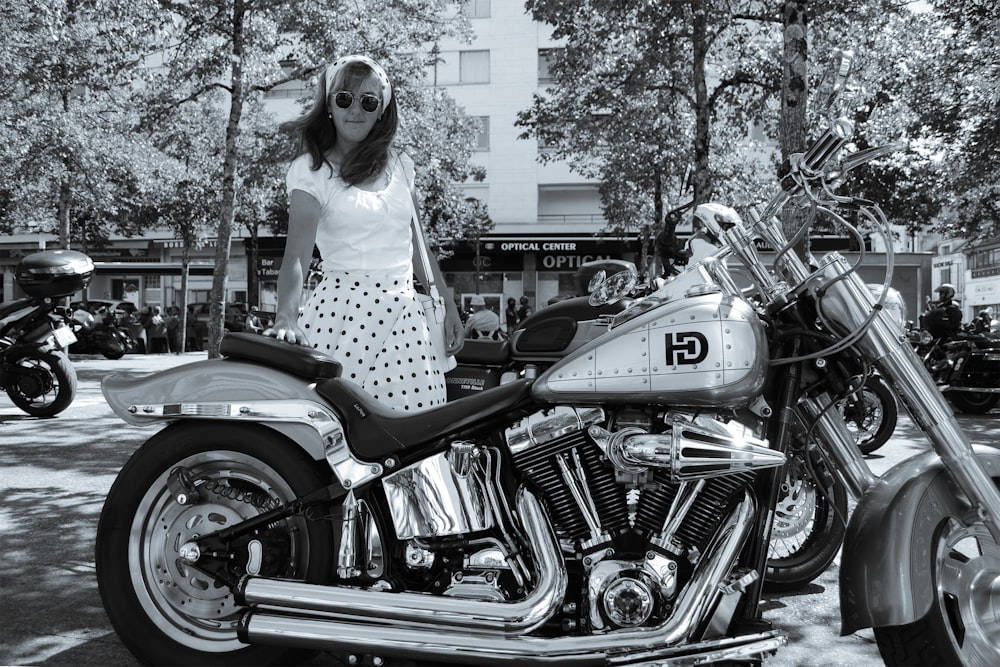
(514,333)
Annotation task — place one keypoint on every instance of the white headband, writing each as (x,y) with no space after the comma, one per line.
(337,65)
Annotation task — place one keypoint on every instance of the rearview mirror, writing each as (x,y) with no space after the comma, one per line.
(834,80)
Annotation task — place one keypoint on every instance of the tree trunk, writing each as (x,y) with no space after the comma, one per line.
(227,211)
(253,272)
(65,199)
(185,272)
(702,111)
(794,96)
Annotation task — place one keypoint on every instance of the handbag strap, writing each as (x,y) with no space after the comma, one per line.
(425,260)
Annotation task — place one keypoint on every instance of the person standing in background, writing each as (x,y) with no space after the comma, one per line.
(524,310)
(253,323)
(510,316)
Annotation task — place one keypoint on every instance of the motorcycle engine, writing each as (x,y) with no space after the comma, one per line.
(633,532)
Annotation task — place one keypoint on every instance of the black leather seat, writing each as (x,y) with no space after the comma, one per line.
(299,360)
(375,431)
(488,352)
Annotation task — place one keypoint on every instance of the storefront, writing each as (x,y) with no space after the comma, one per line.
(541,267)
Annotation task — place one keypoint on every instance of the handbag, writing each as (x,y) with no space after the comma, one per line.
(432,302)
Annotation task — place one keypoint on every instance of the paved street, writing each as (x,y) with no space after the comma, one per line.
(54,474)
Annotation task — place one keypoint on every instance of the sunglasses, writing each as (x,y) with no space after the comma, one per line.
(345,99)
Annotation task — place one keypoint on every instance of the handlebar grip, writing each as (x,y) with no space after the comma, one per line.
(828,144)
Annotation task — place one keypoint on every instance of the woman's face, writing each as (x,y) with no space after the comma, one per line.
(353,124)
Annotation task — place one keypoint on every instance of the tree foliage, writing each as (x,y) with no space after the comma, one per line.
(67,148)
(626,106)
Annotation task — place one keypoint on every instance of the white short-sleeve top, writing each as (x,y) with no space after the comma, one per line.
(360,230)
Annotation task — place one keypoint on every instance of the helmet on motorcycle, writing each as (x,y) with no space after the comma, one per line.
(946,290)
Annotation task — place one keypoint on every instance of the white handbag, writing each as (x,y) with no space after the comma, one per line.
(432,302)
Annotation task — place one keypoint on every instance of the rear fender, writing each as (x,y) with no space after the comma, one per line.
(885,566)
(227,390)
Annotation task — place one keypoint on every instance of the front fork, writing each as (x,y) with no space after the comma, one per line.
(845,300)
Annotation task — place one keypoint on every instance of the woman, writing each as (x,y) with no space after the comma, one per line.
(352,195)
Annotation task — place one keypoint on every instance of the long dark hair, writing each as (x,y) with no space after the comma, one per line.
(317,134)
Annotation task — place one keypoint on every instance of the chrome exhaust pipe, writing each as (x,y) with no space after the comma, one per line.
(449,642)
(432,611)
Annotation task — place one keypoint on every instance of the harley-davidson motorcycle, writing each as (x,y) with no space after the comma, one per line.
(35,371)
(614,510)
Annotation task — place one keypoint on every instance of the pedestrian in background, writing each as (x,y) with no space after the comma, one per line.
(157,332)
(173,329)
(510,316)
(253,323)
(351,194)
(483,323)
(524,310)
(193,342)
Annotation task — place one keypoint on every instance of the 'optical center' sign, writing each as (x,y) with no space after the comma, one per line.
(552,255)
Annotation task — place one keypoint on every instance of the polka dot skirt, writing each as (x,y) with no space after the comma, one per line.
(374,327)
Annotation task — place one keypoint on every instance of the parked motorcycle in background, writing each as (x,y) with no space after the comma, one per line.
(34,369)
(617,509)
(98,333)
(966,367)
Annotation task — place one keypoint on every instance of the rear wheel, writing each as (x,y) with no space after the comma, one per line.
(809,525)
(168,612)
(43,384)
(973,402)
(962,626)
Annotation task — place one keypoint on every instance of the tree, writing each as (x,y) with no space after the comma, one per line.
(67,152)
(635,100)
(235,49)
(963,113)
(721,68)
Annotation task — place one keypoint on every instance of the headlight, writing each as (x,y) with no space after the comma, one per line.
(893,305)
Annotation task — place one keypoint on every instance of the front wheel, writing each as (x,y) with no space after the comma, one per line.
(166,612)
(870,414)
(43,384)
(962,626)
(809,524)
(974,402)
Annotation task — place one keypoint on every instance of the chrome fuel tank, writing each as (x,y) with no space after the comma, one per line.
(705,350)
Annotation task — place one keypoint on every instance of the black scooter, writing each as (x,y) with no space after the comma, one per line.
(100,334)
(34,370)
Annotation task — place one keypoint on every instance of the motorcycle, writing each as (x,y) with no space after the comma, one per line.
(100,334)
(35,370)
(966,368)
(614,510)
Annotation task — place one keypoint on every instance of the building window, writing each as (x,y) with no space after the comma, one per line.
(546,58)
(477,9)
(483,138)
(570,204)
(474,67)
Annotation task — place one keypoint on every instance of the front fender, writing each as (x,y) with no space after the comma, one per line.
(224,389)
(886,562)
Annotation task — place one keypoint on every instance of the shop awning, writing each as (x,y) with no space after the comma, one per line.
(151,268)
